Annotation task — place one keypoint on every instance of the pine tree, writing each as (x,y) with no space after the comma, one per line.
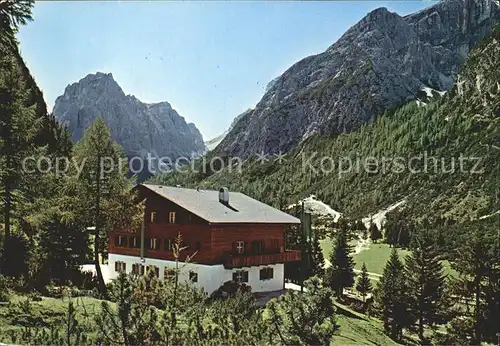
(340,274)
(317,259)
(12,15)
(17,131)
(425,282)
(391,297)
(60,249)
(375,233)
(100,195)
(364,285)
(477,262)
(302,319)
(115,324)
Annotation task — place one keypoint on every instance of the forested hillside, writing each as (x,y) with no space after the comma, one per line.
(27,133)
(462,123)
(49,131)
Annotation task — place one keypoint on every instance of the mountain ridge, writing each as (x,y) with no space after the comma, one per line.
(381,62)
(141,128)
(461,123)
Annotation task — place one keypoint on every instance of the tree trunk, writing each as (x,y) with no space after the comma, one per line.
(421,314)
(4,265)
(421,328)
(97,225)
(477,312)
(100,280)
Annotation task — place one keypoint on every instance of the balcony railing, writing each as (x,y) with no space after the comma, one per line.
(239,261)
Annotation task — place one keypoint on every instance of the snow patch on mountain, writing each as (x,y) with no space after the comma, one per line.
(379,217)
(317,207)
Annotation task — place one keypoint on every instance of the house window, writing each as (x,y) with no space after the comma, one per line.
(193,276)
(258,246)
(240,247)
(137,269)
(240,276)
(154,217)
(134,242)
(154,269)
(168,273)
(120,267)
(154,243)
(171,217)
(120,240)
(197,246)
(266,273)
(168,245)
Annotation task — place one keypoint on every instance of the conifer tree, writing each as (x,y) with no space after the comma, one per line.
(391,297)
(317,259)
(375,233)
(340,274)
(477,262)
(364,285)
(302,319)
(425,282)
(17,131)
(13,13)
(99,194)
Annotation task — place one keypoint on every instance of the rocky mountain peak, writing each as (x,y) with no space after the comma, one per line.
(97,84)
(141,128)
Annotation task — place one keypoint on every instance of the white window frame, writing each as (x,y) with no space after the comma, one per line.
(240,275)
(240,247)
(267,269)
(171,217)
(122,267)
(153,241)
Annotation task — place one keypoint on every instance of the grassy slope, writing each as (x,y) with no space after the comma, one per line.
(359,329)
(376,256)
(48,311)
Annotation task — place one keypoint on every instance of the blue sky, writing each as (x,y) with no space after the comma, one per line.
(210,60)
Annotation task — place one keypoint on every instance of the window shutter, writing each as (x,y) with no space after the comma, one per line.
(116,241)
(235,248)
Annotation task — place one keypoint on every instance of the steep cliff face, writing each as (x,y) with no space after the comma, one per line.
(381,62)
(139,127)
(214,142)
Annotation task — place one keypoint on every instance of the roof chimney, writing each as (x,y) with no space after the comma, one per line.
(224,195)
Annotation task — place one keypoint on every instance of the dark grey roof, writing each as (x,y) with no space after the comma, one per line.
(205,204)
